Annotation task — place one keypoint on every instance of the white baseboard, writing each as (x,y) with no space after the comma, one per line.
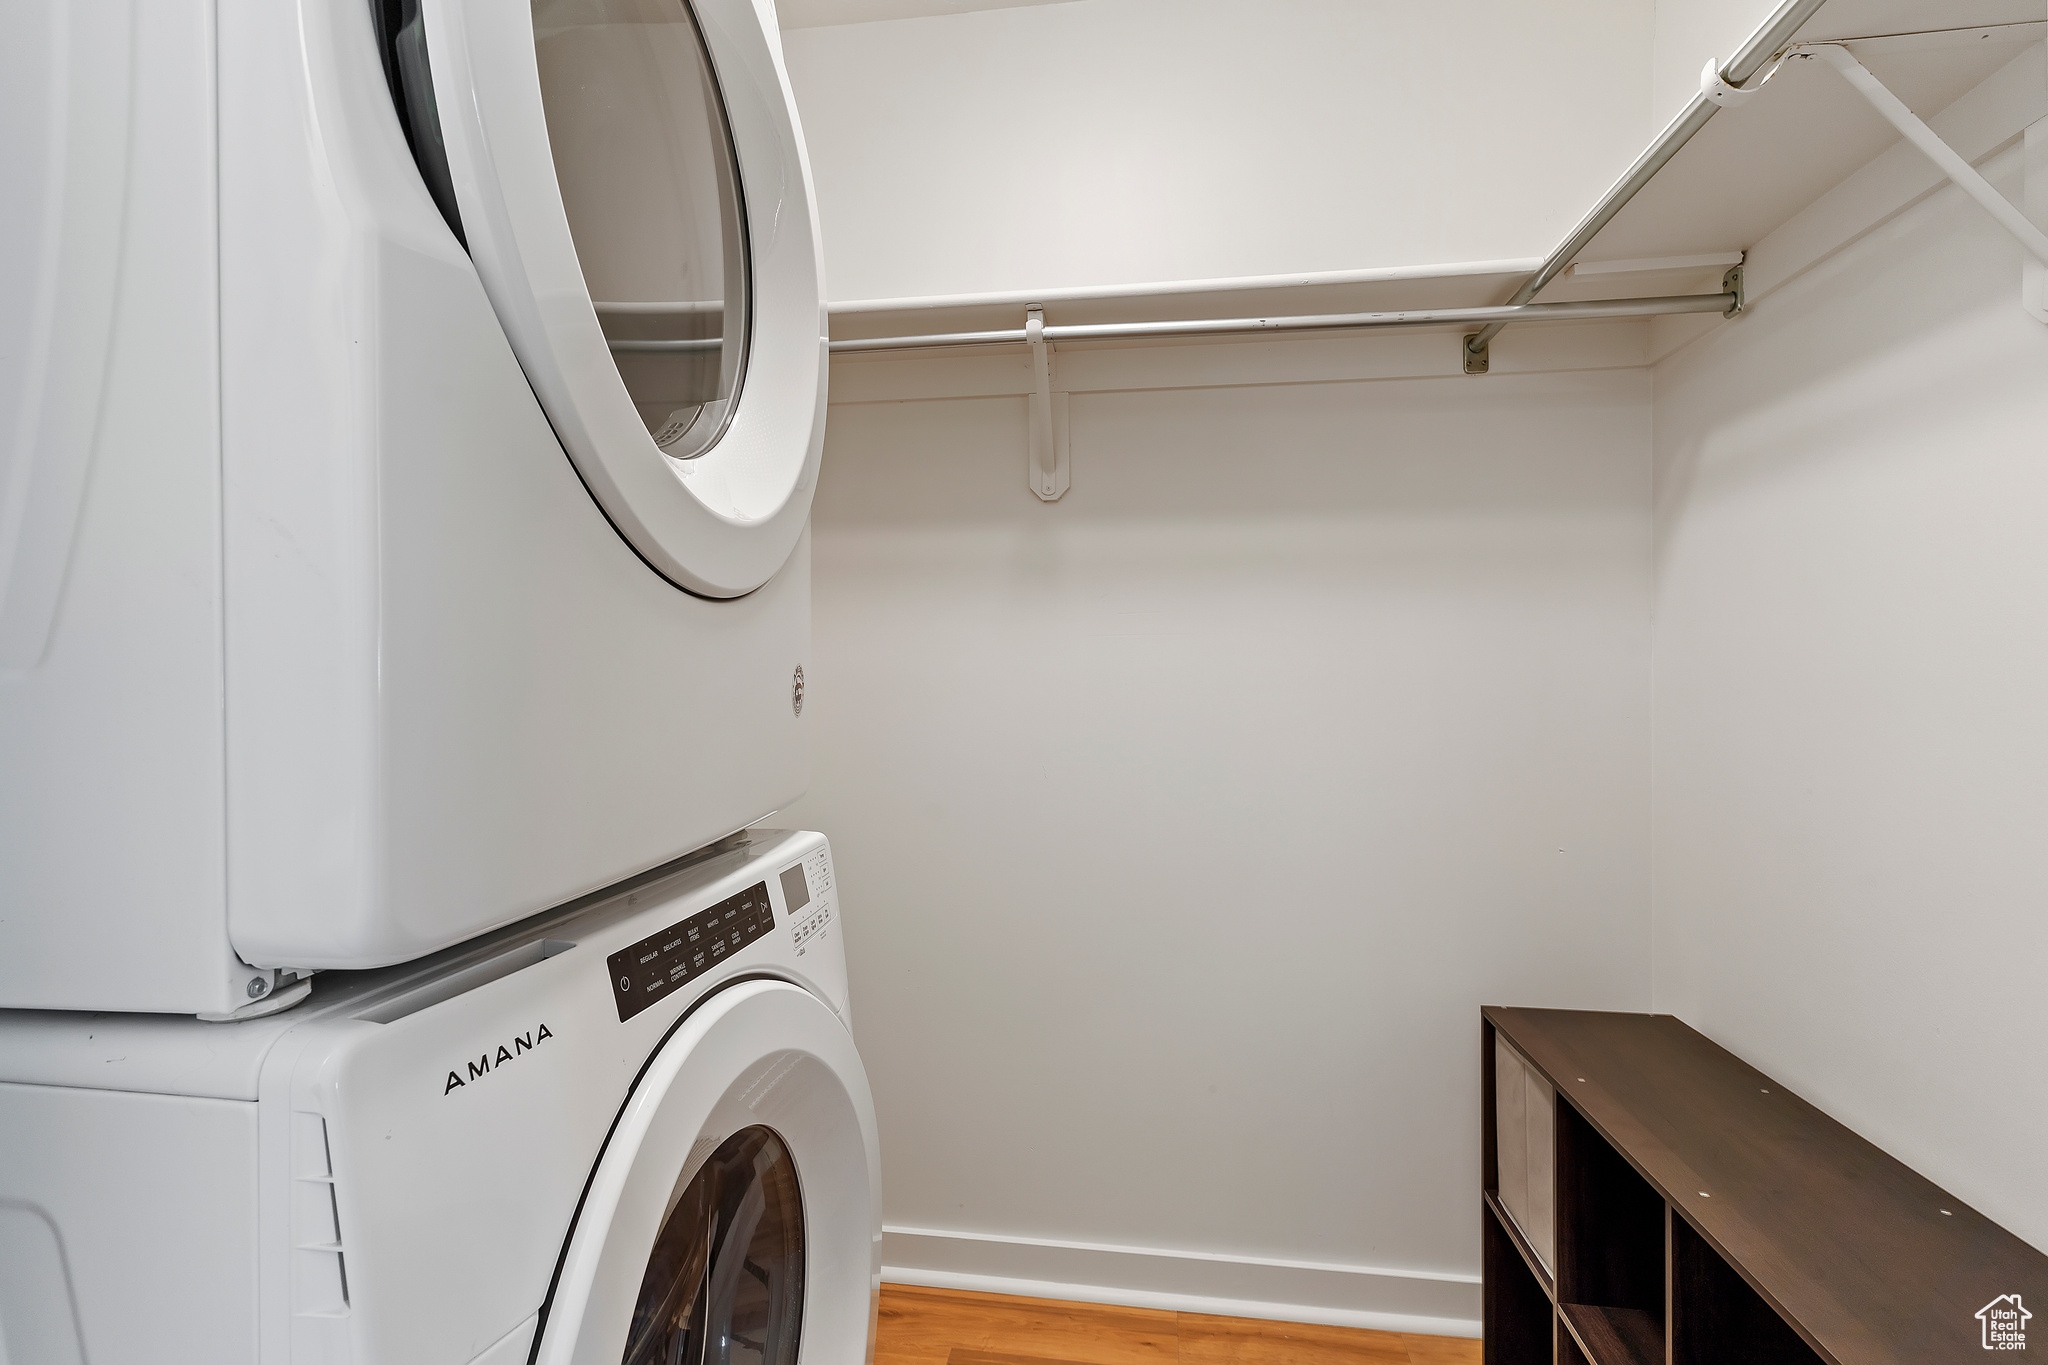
(1438,1304)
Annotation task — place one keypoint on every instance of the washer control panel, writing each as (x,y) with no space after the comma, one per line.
(807,898)
(647,971)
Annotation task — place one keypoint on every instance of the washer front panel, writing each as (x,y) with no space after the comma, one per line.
(444,1136)
(724,518)
(763,1054)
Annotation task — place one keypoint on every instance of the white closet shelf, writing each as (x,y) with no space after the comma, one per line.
(1719,179)
(1757,164)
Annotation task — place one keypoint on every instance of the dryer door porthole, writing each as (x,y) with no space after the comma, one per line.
(732,1216)
(629,180)
(651,189)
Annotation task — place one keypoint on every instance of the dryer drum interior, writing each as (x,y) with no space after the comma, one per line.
(650,183)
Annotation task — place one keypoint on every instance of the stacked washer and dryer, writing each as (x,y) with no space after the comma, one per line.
(411,411)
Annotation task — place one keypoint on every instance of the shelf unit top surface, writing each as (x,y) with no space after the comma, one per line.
(1847,1243)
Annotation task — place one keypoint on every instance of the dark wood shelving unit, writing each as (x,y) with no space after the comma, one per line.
(1624,1336)
(1683,1208)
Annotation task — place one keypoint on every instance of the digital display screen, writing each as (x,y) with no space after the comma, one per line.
(796,889)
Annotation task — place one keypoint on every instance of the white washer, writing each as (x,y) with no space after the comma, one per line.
(582,1140)
(376,570)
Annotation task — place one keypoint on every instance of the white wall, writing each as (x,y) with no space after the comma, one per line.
(1185,823)
(1113,141)
(1852,699)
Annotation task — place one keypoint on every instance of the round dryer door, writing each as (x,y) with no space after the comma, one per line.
(629,179)
(733,1218)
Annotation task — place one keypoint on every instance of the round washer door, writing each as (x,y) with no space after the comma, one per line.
(631,183)
(734,1215)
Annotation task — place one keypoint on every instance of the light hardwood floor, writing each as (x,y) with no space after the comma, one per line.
(952,1327)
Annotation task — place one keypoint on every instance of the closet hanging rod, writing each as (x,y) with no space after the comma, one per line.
(1325,322)
(1767,43)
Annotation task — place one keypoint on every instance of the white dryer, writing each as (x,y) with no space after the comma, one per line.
(633,1132)
(411,411)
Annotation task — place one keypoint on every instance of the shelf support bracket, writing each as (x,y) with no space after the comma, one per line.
(1952,164)
(1049,428)
(2034,273)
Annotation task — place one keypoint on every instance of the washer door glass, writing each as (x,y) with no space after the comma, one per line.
(725,1281)
(651,188)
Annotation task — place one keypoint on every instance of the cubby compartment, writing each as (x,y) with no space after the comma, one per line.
(1717,1319)
(1518,1322)
(1524,1142)
(1610,1248)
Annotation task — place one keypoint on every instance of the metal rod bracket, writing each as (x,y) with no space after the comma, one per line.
(1049,428)
(1478,353)
(1731,283)
(1717,90)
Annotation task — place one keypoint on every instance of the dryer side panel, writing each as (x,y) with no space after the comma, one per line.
(315,177)
(111,773)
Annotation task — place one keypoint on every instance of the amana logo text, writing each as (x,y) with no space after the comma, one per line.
(482,1066)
